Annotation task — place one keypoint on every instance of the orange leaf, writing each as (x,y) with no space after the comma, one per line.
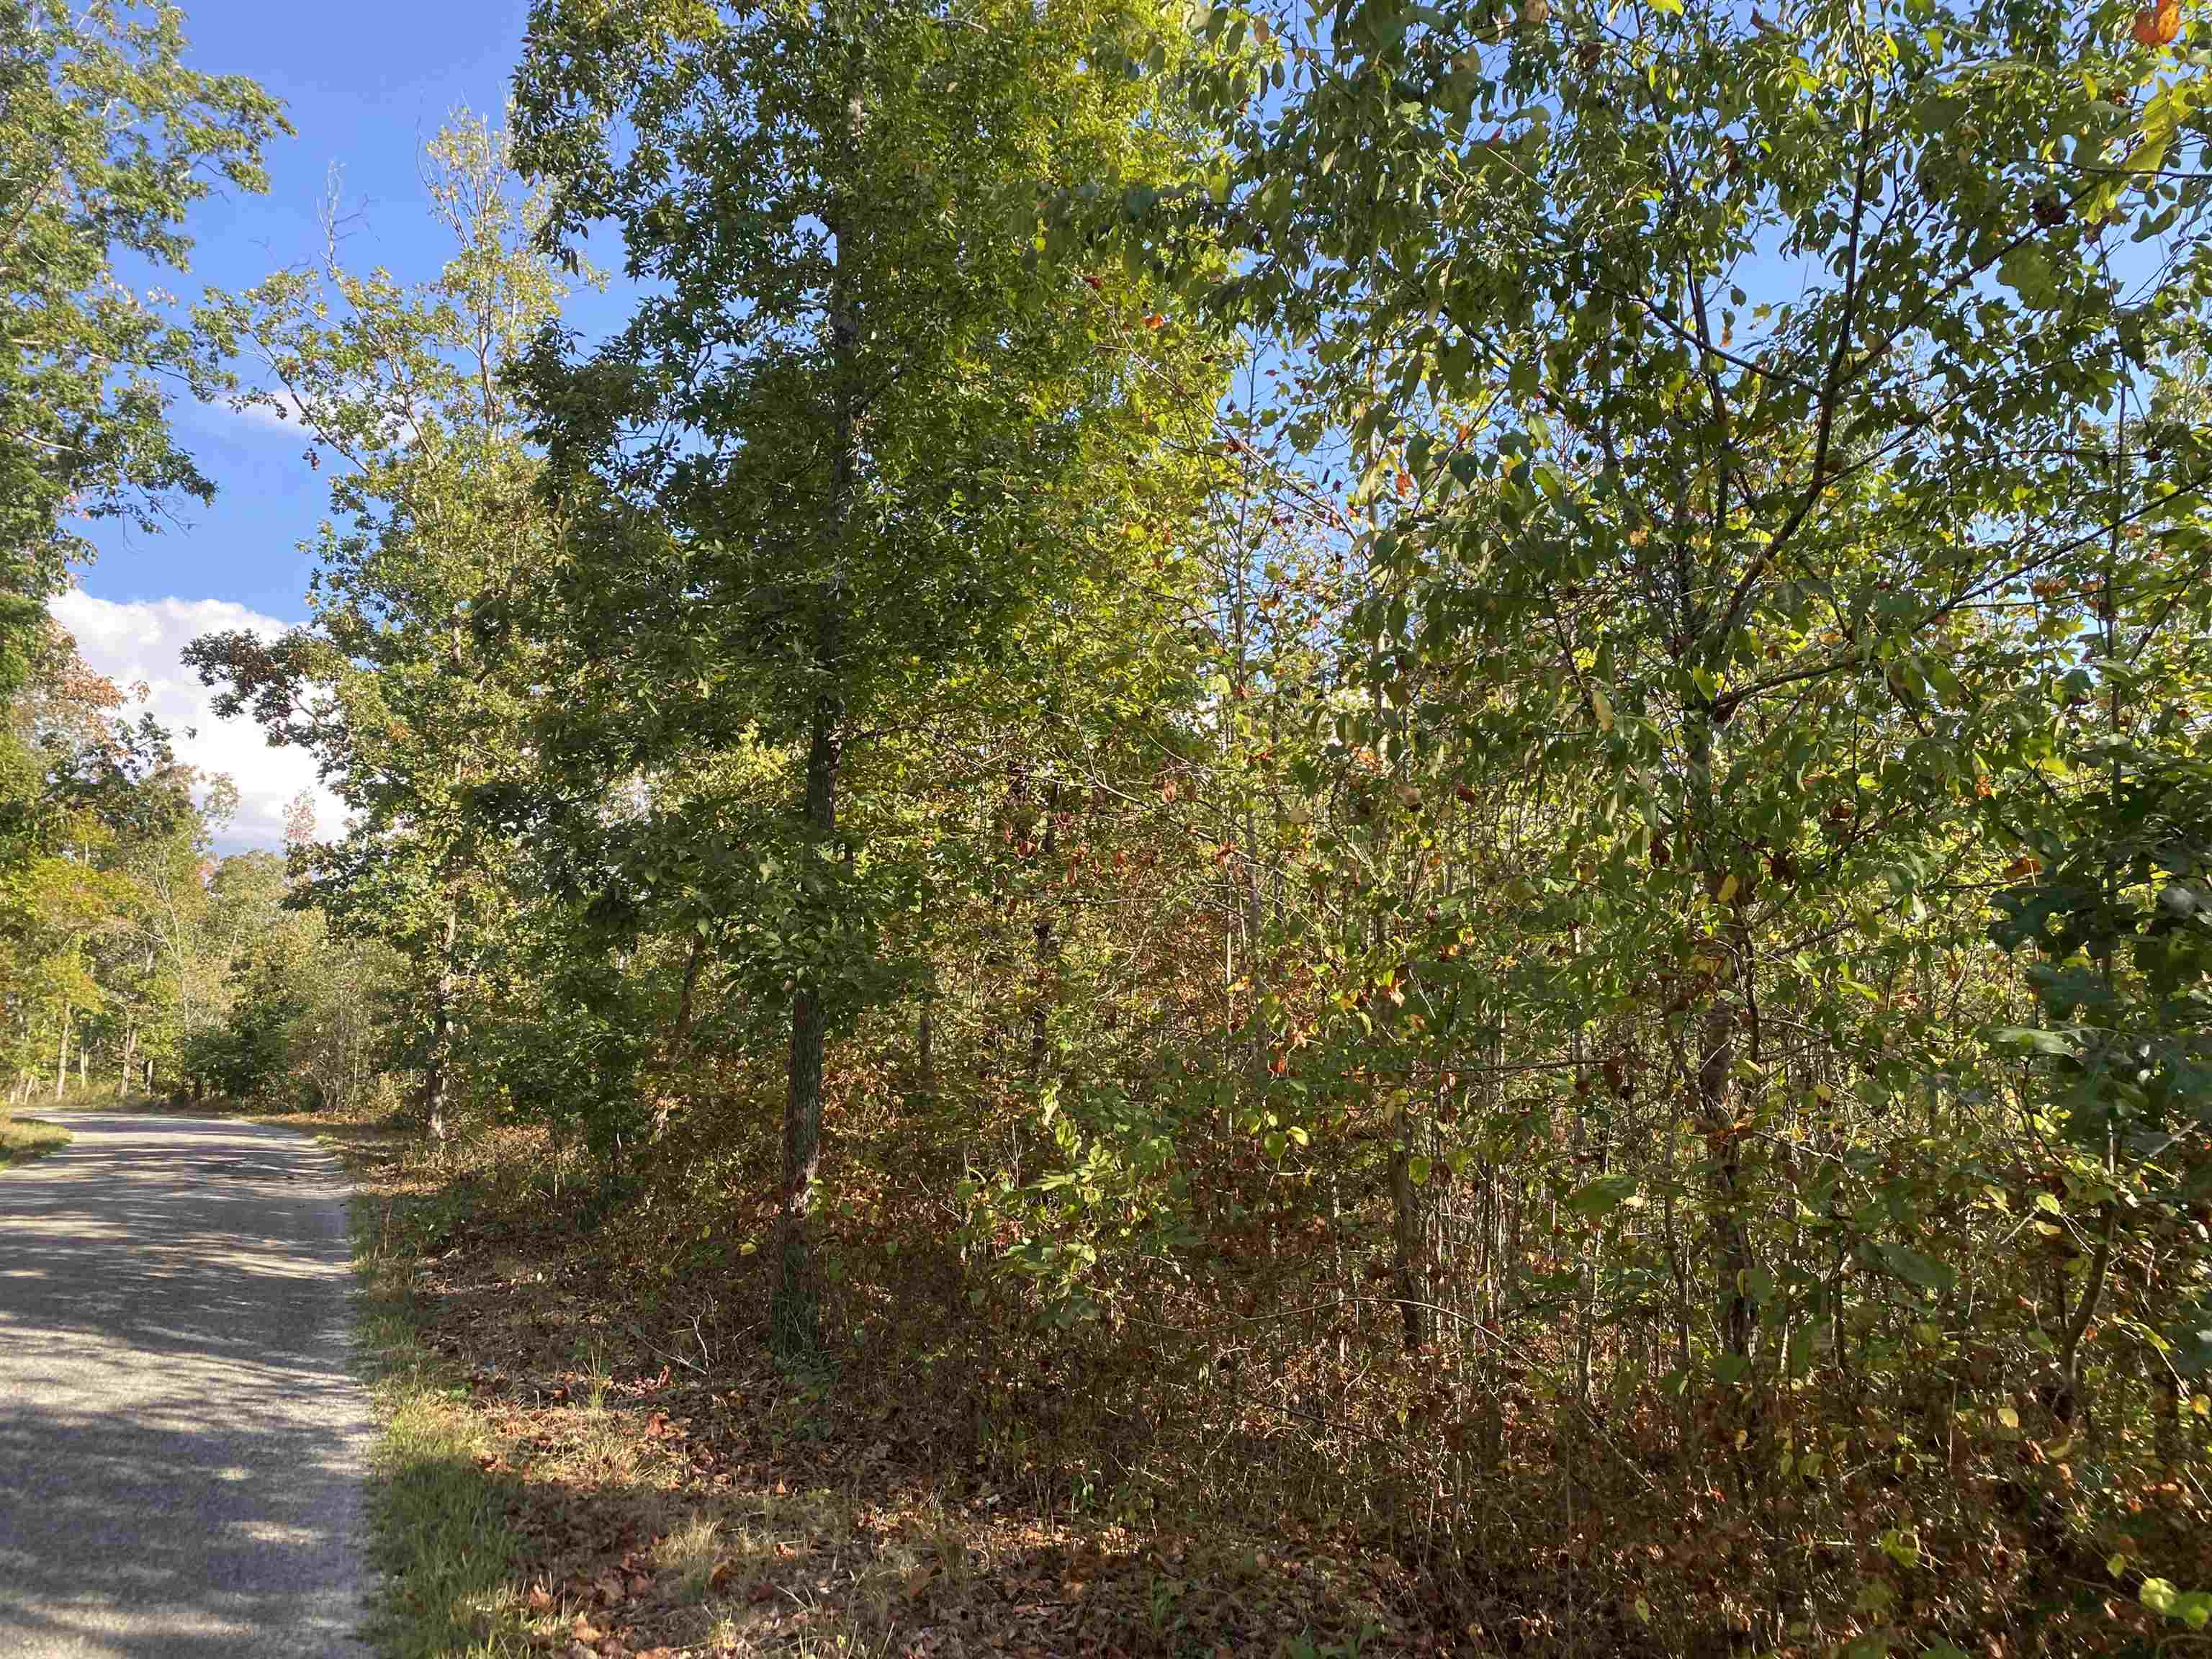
(2157,25)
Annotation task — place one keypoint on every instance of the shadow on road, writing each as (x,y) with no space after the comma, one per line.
(180,1436)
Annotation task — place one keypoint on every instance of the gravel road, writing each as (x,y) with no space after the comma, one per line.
(181,1439)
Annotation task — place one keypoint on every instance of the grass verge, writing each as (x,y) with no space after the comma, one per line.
(22,1139)
(442,1539)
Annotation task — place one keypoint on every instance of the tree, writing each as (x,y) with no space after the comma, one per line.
(848,432)
(1773,549)
(410,686)
(107,142)
(101,897)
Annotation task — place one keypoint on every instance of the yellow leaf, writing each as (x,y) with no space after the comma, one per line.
(1728,890)
(1604,708)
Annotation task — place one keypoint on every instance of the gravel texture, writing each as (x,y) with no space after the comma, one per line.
(182,1437)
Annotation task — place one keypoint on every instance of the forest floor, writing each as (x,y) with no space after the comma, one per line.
(22,1139)
(567,1469)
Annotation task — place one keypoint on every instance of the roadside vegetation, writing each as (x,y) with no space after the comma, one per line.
(1286,832)
(22,1139)
(575,1456)
(445,1544)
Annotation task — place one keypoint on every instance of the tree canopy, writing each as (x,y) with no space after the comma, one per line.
(1464,746)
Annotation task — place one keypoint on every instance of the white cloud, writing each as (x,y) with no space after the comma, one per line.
(286,416)
(142,642)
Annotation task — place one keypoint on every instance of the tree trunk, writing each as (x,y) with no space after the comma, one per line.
(61,1064)
(1713,1064)
(679,1036)
(795,1301)
(436,1076)
(1408,1270)
(1732,1244)
(1042,930)
(925,1047)
(794,1309)
(2065,1396)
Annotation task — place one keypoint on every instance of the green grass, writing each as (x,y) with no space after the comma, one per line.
(441,1532)
(21,1140)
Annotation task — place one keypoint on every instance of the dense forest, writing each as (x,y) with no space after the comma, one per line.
(1443,771)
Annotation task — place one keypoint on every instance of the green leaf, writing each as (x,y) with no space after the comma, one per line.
(1915,1268)
(2033,1038)
(1605,1194)
(2191,1607)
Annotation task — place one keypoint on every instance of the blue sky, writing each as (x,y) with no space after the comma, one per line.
(365,86)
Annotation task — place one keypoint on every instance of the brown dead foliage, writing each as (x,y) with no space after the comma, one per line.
(677,1493)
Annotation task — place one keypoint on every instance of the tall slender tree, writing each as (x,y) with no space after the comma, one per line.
(845,436)
(410,686)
